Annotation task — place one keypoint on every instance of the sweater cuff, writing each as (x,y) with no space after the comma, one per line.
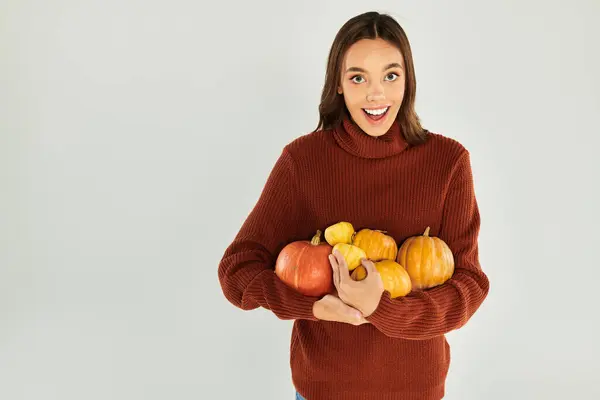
(384,310)
(303,308)
(296,305)
(269,291)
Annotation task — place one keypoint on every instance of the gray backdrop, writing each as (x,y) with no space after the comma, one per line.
(136,137)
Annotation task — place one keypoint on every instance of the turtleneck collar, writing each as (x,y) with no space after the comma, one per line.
(354,140)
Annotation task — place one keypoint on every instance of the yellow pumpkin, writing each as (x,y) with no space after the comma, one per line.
(376,244)
(427,259)
(394,277)
(339,233)
(352,254)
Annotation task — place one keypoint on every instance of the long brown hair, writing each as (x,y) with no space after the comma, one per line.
(370,25)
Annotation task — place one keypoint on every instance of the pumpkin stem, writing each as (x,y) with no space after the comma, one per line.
(426,232)
(316,240)
(377,230)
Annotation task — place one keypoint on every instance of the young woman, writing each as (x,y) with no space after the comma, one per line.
(372,164)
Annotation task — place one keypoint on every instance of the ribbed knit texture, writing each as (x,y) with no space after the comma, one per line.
(343,174)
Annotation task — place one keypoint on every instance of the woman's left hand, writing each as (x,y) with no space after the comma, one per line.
(363,295)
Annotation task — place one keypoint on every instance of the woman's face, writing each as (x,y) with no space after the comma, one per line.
(372,79)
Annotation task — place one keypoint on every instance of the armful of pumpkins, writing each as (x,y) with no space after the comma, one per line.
(419,263)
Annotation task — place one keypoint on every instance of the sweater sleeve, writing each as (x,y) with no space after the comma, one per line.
(247,269)
(428,313)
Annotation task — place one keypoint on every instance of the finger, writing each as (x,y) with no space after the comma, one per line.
(369,265)
(335,269)
(335,292)
(343,271)
(358,319)
(332,261)
(340,259)
(351,313)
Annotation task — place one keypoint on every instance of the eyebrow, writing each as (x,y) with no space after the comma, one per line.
(358,69)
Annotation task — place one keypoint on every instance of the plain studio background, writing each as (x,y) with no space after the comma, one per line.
(137,136)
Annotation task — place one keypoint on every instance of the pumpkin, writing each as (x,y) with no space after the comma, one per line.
(427,259)
(376,244)
(359,273)
(394,277)
(351,253)
(305,267)
(341,232)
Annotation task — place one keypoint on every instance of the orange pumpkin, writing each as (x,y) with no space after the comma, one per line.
(305,267)
(394,277)
(376,244)
(427,259)
(359,273)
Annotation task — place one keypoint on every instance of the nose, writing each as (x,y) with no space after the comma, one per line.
(375,93)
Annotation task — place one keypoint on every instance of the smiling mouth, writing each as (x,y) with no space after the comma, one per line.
(376,114)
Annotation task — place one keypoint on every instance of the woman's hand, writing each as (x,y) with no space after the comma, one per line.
(363,295)
(331,308)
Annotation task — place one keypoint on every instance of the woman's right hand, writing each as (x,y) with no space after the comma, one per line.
(332,308)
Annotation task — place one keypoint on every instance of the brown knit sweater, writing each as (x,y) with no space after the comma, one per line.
(343,174)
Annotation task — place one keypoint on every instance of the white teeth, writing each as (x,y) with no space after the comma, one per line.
(376,112)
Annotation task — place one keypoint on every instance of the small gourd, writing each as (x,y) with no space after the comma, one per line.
(341,232)
(351,254)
